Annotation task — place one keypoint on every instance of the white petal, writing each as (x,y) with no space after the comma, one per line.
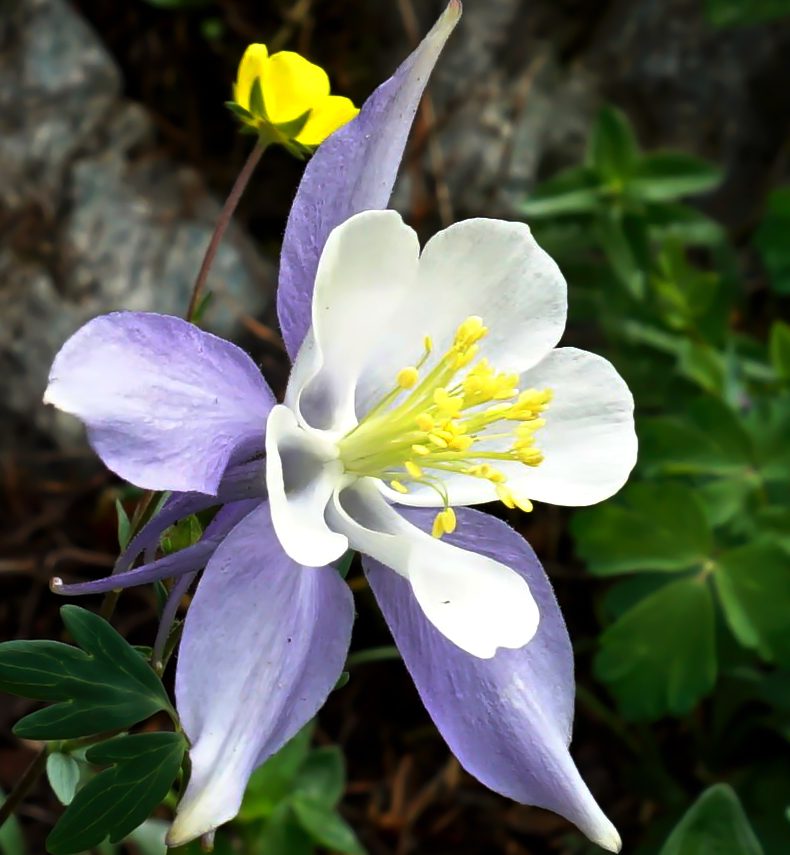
(375,302)
(368,266)
(589,442)
(302,473)
(476,602)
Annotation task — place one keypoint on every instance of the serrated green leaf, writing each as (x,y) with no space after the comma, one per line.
(715,823)
(613,149)
(779,347)
(322,778)
(120,798)
(326,827)
(753,583)
(63,773)
(660,656)
(669,175)
(651,527)
(104,686)
(273,781)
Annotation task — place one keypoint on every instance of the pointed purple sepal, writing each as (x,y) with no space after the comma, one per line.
(264,643)
(507,719)
(352,171)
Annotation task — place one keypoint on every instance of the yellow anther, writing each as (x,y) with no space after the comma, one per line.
(413,469)
(469,332)
(425,422)
(444,523)
(483,470)
(421,450)
(529,456)
(438,441)
(510,500)
(427,343)
(407,377)
(399,486)
(446,403)
(460,443)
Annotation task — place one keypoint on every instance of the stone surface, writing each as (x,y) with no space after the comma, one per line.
(93,217)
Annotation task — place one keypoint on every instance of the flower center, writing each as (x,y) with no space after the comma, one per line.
(459,416)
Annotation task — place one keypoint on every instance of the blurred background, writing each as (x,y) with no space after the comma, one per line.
(647,143)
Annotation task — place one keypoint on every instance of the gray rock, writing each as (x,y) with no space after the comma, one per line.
(93,217)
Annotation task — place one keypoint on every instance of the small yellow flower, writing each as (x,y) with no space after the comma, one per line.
(285,99)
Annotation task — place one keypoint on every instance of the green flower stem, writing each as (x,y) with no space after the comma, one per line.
(373,654)
(222,224)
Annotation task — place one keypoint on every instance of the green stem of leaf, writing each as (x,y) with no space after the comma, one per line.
(24,785)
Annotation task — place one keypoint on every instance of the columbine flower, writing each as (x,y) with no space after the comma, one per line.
(422,382)
(285,99)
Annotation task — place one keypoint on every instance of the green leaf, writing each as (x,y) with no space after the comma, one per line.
(124,525)
(714,824)
(779,347)
(106,685)
(11,840)
(322,778)
(149,838)
(676,221)
(63,772)
(257,107)
(652,527)
(660,656)
(613,149)
(771,239)
(709,439)
(622,254)
(273,781)
(733,13)
(184,533)
(283,835)
(753,584)
(572,192)
(326,827)
(669,175)
(122,797)
(703,365)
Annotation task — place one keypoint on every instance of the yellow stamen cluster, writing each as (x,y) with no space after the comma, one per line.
(450,419)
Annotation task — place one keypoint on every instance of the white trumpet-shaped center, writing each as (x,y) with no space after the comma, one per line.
(456,415)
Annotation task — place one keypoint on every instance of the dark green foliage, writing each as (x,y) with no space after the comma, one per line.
(101,686)
(117,800)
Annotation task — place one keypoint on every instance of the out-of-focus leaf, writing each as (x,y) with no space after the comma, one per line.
(733,13)
(651,527)
(769,426)
(613,149)
(284,835)
(106,685)
(703,365)
(708,439)
(63,773)
(621,254)
(779,346)
(676,221)
(122,797)
(184,533)
(322,778)
(715,823)
(273,781)
(725,498)
(124,525)
(11,840)
(660,656)
(753,583)
(149,838)
(575,191)
(771,236)
(668,175)
(326,827)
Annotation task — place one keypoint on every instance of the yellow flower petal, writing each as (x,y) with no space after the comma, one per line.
(291,86)
(250,67)
(326,117)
